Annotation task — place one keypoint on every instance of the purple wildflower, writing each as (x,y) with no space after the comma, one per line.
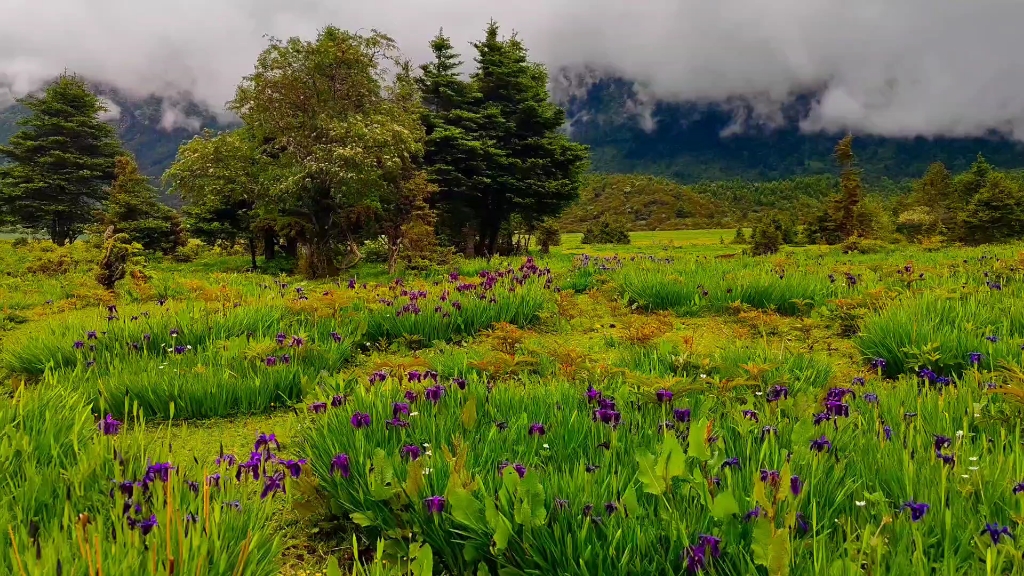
(412,451)
(341,465)
(917,509)
(434,504)
(360,420)
(109,427)
(318,407)
(537,429)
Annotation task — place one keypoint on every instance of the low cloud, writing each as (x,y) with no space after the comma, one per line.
(902,68)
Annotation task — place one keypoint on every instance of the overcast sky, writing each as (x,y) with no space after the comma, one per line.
(894,67)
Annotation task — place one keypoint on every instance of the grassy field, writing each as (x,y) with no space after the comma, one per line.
(667,407)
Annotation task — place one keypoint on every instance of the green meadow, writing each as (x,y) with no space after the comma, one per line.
(671,406)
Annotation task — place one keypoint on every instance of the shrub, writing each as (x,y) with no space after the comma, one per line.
(190,252)
(117,255)
(766,237)
(55,262)
(740,237)
(606,231)
(375,251)
(548,235)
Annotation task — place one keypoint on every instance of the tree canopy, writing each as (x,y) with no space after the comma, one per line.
(60,162)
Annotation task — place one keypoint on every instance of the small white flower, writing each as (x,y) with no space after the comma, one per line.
(703,375)
(860,503)
(426,471)
(546,446)
(415,414)
(429,452)
(959,434)
(757,393)
(964,476)
(976,415)
(972,468)
(973,458)
(425,445)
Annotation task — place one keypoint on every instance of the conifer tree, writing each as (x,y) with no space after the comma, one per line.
(133,209)
(845,206)
(61,161)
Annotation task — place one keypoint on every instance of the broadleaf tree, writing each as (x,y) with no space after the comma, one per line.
(344,132)
(61,161)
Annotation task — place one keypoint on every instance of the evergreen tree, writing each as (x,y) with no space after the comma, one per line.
(61,161)
(533,170)
(996,212)
(845,205)
(133,209)
(453,156)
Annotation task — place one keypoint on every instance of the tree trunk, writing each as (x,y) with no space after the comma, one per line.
(291,247)
(269,244)
(394,248)
(252,250)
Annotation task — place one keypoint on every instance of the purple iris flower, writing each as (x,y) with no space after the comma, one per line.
(281,337)
(273,484)
(335,336)
(663,395)
(159,471)
(294,467)
(975,358)
(681,414)
(993,338)
(341,465)
(360,420)
(593,394)
(378,376)
(460,382)
(264,440)
(995,531)
(917,509)
(213,480)
(415,376)
(697,557)
(338,400)
(78,345)
(434,393)
(175,332)
(770,477)
(837,408)
(821,445)
(607,416)
(733,462)
(109,427)
(795,485)
(537,429)
(776,393)
(270,361)
(1018,488)
(871,398)
(411,396)
(146,526)
(297,342)
(286,359)
(767,431)
(755,513)
(751,415)
(887,431)
(412,451)
(226,459)
(942,442)
(397,423)
(822,417)
(839,394)
(519,468)
(611,507)
(318,407)
(434,504)
(90,335)
(878,364)
(399,408)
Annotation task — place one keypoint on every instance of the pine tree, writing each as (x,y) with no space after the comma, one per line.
(453,156)
(996,212)
(845,206)
(532,170)
(61,161)
(133,209)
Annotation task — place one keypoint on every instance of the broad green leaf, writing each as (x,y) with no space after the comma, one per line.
(363,519)
(698,442)
(469,414)
(332,567)
(649,475)
(630,504)
(771,547)
(423,563)
(481,570)
(672,460)
(724,505)
(500,527)
(382,477)
(465,508)
(530,503)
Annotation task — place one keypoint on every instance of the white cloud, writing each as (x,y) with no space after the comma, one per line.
(894,67)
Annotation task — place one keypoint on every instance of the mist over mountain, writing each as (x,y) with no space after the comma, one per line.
(687,88)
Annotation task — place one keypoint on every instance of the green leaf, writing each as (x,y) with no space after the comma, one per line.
(363,519)
(724,505)
(481,570)
(332,567)
(423,563)
(500,527)
(382,477)
(698,442)
(530,505)
(469,414)
(630,504)
(465,508)
(771,547)
(672,460)
(648,473)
